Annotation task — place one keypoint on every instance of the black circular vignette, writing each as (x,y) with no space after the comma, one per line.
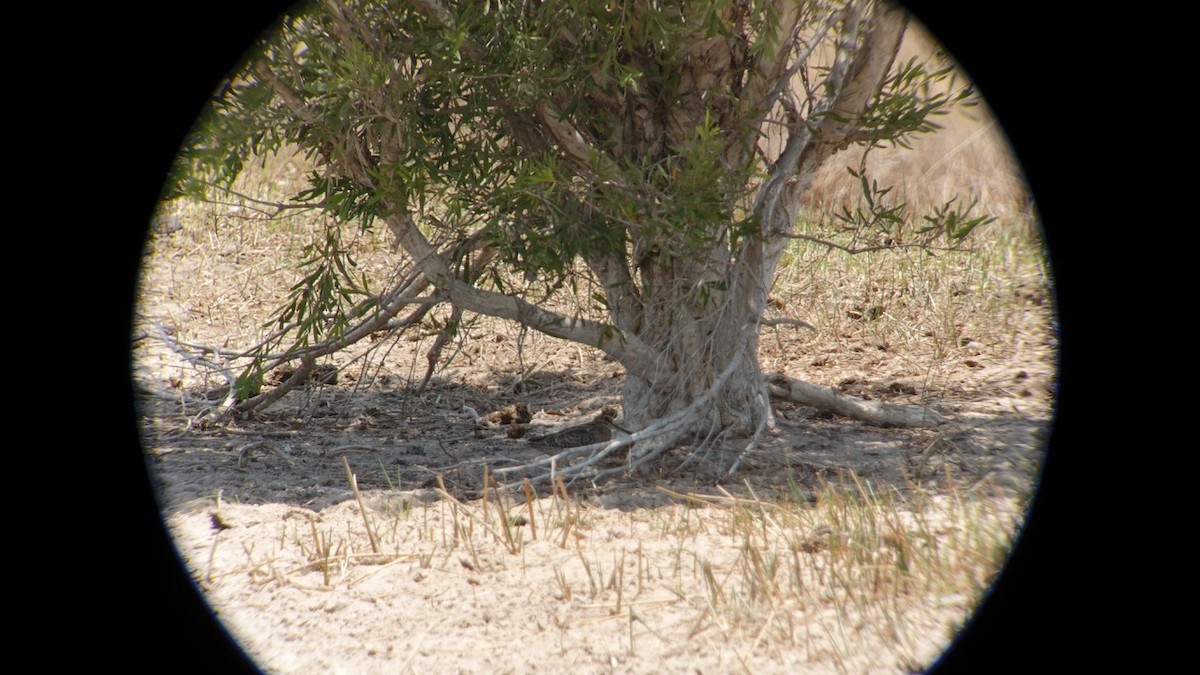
(1021,60)
(163,64)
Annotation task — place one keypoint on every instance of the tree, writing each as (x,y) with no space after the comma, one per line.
(653,154)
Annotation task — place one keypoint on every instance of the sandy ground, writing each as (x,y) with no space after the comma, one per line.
(625,576)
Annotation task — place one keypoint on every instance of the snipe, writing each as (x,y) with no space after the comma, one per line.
(596,431)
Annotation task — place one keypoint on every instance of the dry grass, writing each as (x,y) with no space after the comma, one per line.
(853,577)
(931,311)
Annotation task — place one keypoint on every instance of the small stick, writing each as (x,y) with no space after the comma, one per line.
(505,526)
(484,495)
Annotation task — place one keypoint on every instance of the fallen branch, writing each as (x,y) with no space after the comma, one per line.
(265,399)
(788,321)
(872,412)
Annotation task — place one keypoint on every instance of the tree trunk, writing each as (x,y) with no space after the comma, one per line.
(705,334)
(702,314)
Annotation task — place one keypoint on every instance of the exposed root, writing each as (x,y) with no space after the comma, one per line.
(645,445)
(435,352)
(872,412)
(753,444)
(549,466)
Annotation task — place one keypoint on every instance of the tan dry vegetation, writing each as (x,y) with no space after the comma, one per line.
(969,158)
(853,581)
(838,548)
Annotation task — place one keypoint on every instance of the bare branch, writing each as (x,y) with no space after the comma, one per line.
(873,412)
(265,399)
(866,249)
(625,348)
(787,321)
(856,76)
(279,207)
(438,345)
(566,134)
(294,101)
(784,82)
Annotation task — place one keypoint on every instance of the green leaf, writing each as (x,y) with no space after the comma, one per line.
(249,383)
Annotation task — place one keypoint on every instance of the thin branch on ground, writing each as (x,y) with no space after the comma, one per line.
(871,249)
(263,400)
(279,207)
(788,321)
(873,412)
(439,343)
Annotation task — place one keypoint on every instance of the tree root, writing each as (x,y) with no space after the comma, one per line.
(264,400)
(872,412)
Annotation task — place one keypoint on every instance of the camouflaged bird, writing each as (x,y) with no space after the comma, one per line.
(597,431)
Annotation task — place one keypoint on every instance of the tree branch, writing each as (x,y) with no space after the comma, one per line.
(856,76)
(865,249)
(567,135)
(775,47)
(625,348)
(622,346)
(873,412)
(279,207)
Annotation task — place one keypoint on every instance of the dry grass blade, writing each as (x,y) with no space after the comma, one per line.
(470,513)
(353,480)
